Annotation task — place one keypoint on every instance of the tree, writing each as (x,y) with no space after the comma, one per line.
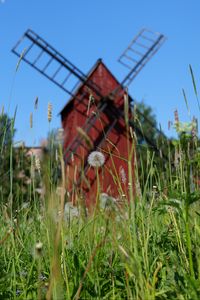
(149,140)
(6,137)
(145,120)
(7,131)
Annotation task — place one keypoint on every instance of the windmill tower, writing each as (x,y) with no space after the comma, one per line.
(93,118)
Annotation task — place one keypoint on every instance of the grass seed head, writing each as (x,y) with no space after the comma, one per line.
(49,112)
(31,120)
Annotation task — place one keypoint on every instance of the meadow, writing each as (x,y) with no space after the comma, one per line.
(145,247)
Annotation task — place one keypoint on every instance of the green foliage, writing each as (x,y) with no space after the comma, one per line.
(17,184)
(144,117)
(146,249)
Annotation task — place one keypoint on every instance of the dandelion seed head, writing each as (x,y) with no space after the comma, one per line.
(70,211)
(96,159)
(38,246)
(106,201)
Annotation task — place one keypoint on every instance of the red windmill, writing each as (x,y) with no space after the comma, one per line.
(93,118)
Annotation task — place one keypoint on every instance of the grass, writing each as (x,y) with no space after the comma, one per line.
(146,249)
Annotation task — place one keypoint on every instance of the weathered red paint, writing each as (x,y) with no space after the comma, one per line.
(115,146)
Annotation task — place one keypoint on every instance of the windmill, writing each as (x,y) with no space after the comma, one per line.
(93,118)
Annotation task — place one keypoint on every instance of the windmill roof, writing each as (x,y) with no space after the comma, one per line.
(92,70)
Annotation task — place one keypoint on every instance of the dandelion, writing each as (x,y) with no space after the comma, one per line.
(96,159)
(49,112)
(106,201)
(38,248)
(70,211)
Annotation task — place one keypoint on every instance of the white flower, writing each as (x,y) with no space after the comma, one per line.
(106,201)
(71,211)
(96,159)
(38,246)
(38,249)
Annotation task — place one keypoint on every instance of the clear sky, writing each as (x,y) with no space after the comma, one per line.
(85,30)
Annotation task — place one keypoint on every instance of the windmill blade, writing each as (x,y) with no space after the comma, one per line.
(139,52)
(48,61)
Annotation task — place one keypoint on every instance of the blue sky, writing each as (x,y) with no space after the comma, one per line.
(85,30)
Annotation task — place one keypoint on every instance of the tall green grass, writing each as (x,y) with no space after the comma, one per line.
(148,248)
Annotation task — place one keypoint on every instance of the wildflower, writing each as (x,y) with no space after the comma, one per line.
(96,159)
(106,201)
(71,211)
(38,248)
